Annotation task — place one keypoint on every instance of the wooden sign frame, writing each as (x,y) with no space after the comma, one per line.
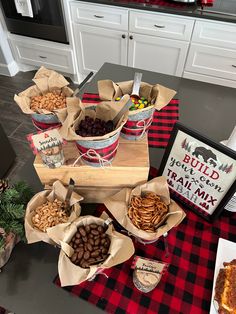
(200,172)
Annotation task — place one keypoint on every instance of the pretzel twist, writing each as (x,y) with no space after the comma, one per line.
(147,212)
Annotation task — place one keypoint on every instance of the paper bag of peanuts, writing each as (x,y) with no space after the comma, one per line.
(83,123)
(89,246)
(49,96)
(146,211)
(151,96)
(47,209)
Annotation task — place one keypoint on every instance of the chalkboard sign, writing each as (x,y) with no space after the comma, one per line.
(200,172)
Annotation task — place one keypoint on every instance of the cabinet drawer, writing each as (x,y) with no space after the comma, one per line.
(98,15)
(217,34)
(55,58)
(161,25)
(212,61)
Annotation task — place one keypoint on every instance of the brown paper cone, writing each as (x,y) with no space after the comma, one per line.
(58,191)
(71,274)
(118,206)
(106,110)
(157,95)
(45,81)
(5,252)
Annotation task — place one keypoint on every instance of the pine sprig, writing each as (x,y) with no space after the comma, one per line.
(13,203)
(2,242)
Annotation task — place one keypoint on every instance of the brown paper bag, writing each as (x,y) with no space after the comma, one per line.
(105,110)
(121,249)
(118,206)
(45,81)
(58,191)
(10,241)
(157,95)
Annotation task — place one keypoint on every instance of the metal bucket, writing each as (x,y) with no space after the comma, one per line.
(98,153)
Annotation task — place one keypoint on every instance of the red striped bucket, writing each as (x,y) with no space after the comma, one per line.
(98,153)
(44,122)
(138,124)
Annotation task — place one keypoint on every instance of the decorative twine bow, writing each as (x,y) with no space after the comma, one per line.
(145,125)
(92,154)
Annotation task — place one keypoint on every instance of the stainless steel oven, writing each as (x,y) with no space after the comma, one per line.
(35,18)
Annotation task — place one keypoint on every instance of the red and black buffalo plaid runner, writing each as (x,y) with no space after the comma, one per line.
(162,125)
(4,311)
(186,288)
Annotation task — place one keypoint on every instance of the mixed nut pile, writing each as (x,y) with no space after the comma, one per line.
(50,101)
(49,214)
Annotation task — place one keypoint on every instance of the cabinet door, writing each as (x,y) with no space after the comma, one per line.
(95,46)
(212,61)
(157,54)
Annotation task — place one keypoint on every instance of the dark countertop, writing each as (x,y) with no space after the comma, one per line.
(225,9)
(26,281)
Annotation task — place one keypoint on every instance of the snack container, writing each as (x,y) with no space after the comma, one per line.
(138,124)
(139,120)
(147,273)
(56,191)
(53,157)
(71,274)
(45,121)
(53,113)
(104,150)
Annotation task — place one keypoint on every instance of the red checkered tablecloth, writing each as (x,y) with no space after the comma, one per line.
(162,125)
(186,287)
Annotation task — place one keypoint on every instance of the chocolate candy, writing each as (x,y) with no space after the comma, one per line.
(97,127)
(91,245)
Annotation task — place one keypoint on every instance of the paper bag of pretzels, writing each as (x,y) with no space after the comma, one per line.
(89,246)
(50,97)
(71,128)
(47,209)
(147,211)
(156,95)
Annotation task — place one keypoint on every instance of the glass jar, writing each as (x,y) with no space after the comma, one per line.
(53,157)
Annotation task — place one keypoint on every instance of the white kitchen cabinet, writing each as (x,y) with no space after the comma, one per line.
(157,54)
(38,52)
(99,15)
(149,41)
(95,46)
(161,25)
(213,61)
(212,53)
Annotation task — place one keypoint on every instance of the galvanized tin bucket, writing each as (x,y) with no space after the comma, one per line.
(98,153)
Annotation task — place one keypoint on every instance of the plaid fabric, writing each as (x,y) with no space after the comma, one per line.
(185,288)
(3,311)
(44,126)
(162,125)
(168,3)
(107,153)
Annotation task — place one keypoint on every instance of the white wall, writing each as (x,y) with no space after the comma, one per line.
(8,65)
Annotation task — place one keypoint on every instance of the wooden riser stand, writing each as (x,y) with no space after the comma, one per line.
(129,168)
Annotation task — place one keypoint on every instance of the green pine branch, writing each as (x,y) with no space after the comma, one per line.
(13,203)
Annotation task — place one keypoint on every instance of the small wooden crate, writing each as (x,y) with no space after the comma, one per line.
(129,168)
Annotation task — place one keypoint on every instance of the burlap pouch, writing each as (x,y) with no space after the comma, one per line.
(58,191)
(45,81)
(10,241)
(96,151)
(159,96)
(118,206)
(105,110)
(121,249)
